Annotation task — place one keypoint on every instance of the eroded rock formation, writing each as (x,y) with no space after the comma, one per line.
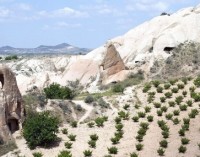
(11,104)
(112,63)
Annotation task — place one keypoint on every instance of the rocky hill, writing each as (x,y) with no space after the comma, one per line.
(63,48)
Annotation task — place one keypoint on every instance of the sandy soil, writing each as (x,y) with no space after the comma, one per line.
(127,143)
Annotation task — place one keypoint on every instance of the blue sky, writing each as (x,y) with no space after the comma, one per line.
(84,23)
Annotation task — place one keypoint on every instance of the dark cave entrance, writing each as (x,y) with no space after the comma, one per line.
(1,80)
(13,125)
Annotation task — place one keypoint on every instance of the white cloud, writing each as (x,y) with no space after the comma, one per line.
(150,5)
(62,25)
(23,6)
(64,12)
(5,13)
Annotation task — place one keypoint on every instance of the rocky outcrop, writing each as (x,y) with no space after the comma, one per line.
(11,104)
(112,63)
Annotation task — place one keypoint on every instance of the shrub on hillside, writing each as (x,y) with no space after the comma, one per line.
(89,99)
(13,57)
(55,91)
(40,129)
(197,81)
(118,88)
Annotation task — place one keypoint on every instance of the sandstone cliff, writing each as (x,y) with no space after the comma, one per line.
(11,104)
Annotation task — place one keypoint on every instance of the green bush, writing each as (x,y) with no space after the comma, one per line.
(183,107)
(139,138)
(119,127)
(55,91)
(94,137)
(139,146)
(189,103)
(40,129)
(185,127)
(172,82)
(126,106)
(163,143)
(174,90)
(169,116)
(92,143)
(156,83)
(141,114)
(135,118)
(133,154)
(89,99)
(176,121)
(118,88)
(184,141)
(159,89)
(184,80)
(99,121)
(186,120)
(167,86)
(171,103)
(178,99)
(118,120)
(161,123)
(13,57)
(181,132)
(65,153)
(176,112)
(165,134)
(161,152)
(162,99)
(142,131)
(197,81)
(157,105)
(65,131)
(164,108)
(123,115)
(90,124)
(119,134)
(184,93)
(180,86)
(159,112)
(113,150)
(182,149)
(68,145)
(146,88)
(72,137)
(168,94)
(37,154)
(144,125)
(150,118)
(87,153)
(115,140)
(74,124)
(147,109)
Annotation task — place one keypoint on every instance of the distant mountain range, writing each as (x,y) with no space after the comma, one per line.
(63,48)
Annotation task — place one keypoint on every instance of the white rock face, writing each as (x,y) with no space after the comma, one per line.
(140,46)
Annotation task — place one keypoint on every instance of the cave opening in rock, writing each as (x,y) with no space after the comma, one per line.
(168,48)
(13,125)
(1,80)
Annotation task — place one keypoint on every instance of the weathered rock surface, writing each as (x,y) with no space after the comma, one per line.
(112,63)
(11,104)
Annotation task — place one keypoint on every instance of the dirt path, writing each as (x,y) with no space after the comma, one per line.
(87,107)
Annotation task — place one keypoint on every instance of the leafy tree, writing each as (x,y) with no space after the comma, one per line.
(55,91)
(40,129)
